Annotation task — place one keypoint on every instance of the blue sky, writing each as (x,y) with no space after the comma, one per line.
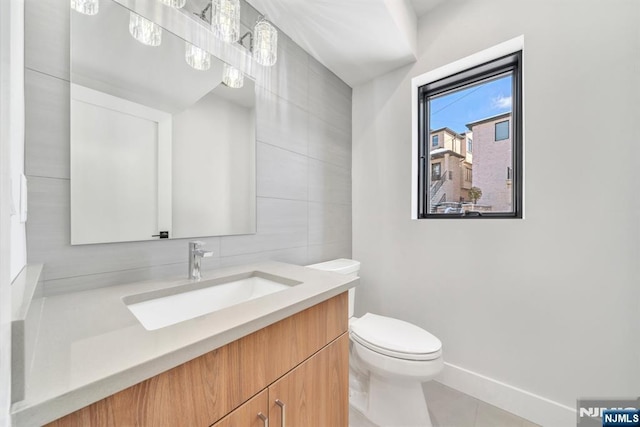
(457,109)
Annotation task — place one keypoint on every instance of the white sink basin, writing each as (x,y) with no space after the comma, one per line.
(165,307)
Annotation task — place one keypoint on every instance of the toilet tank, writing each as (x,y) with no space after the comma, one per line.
(348,267)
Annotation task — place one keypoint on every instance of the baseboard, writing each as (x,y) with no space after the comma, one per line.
(537,409)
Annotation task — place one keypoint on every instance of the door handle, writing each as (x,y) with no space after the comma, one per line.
(264,419)
(281,404)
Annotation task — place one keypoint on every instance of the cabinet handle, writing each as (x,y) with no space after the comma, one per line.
(264,419)
(281,404)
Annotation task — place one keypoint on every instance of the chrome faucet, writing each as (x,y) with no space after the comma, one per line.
(195,258)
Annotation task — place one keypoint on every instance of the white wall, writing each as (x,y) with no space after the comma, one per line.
(551,303)
(12,234)
(5,220)
(16,130)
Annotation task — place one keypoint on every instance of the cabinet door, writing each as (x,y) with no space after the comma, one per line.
(254,413)
(316,393)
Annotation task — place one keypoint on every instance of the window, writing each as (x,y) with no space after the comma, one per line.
(502,130)
(483,103)
(468,175)
(435,172)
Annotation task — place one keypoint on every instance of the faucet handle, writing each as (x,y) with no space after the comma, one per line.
(195,244)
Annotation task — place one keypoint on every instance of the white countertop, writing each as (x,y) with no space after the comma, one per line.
(90,345)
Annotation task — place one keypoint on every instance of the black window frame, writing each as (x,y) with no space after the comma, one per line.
(511,63)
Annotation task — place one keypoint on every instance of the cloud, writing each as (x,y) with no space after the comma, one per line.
(501,102)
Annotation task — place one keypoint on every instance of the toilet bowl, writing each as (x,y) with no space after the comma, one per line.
(389,360)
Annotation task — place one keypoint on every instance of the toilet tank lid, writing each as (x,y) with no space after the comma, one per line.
(341,265)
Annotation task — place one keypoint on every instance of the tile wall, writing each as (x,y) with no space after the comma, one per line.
(303,169)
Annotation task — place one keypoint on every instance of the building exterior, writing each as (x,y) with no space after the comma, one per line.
(451,162)
(492,162)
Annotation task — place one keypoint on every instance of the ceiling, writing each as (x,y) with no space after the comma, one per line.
(356,39)
(423,6)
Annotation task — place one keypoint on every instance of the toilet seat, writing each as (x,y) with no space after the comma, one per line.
(395,338)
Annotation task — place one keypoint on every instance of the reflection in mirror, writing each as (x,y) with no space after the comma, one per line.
(158,143)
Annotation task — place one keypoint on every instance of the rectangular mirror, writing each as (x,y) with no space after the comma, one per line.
(159,149)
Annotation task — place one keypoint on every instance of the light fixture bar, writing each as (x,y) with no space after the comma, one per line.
(145,31)
(86,7)
(265,47)
(225,20)
(197,58)
(232,77)
(175,3)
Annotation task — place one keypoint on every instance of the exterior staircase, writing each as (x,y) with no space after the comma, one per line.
(436,192)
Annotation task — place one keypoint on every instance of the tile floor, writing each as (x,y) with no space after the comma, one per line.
(451,408)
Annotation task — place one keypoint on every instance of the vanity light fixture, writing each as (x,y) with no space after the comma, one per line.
(249,35)
(232,77)
(87,7)
(225,20)
(265,43)
(205,14)
(175,3)
(198,58)
(145,31)
(225,24)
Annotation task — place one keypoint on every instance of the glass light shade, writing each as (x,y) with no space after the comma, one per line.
(196,57)
(232,77)
(225,20)
(265,48)
(145,31)
(175,3)
(88,7)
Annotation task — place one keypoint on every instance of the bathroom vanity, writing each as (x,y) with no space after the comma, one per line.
(301,362)
(281,358)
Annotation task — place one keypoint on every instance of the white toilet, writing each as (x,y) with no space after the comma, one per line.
(389,361)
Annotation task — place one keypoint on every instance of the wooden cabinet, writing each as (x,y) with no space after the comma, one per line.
(204,390)
(316,393)
(253,413)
